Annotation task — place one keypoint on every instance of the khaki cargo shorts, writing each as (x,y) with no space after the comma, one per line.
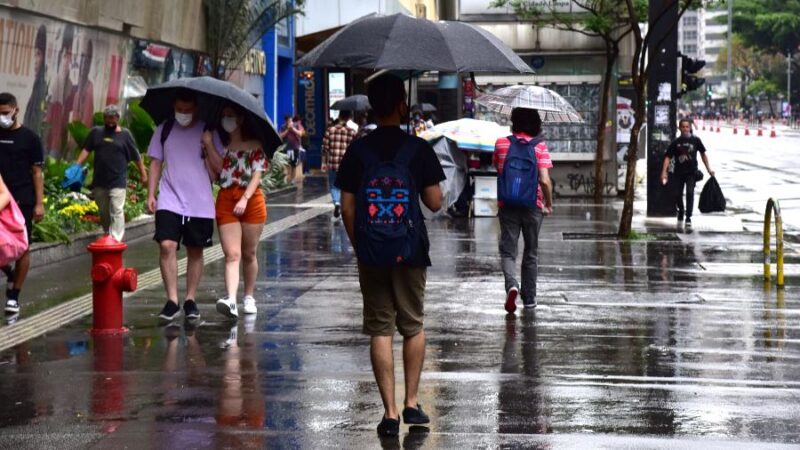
(393,297)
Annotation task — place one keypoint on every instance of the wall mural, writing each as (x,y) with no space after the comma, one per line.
(59,73)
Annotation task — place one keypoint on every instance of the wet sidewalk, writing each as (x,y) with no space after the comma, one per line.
(635,344)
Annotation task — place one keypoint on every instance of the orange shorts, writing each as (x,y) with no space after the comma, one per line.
(256,211)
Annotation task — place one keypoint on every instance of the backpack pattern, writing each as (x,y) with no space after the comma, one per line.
(388,200)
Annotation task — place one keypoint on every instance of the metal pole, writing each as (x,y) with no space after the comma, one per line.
(789,83)
(730,51)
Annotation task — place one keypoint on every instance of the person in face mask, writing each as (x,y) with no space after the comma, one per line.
(240,210)
(683,152)
(21,159)
(180,196)
(114,148)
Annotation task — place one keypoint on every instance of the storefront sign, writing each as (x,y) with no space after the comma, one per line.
(255,62)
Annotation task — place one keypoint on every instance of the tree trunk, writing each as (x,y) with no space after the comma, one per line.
(630,176)
(599,186)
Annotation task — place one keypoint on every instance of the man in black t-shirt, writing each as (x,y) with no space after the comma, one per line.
(113,148)
(393,296)
(21,159)
(682,154)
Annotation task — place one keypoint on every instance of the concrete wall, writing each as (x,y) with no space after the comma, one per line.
(326,14)
(178,23)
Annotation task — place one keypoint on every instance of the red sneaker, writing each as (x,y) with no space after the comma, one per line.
(511,300)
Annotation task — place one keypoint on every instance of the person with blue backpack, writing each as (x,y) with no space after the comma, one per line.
(524,197)
(383,176)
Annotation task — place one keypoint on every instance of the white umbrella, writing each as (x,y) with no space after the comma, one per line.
(552,107)
(468,134)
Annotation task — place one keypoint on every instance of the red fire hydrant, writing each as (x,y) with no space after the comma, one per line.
(109,281)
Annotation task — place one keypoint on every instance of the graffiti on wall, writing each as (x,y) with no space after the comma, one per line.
(580,183)
(58,72)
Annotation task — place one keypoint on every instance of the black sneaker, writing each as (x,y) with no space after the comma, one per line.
(389,427)
(337,211)
(12,306)
(688,222)
(170,311)
(190,310)
(529,304)
(415,416)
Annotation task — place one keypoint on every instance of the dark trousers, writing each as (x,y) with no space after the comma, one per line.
(513,221)
(689,181)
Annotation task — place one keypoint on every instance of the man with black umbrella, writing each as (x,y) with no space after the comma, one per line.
(181,171)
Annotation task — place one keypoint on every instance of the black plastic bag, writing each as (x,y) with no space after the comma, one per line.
(711,199)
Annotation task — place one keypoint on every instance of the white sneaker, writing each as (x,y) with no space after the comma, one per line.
(12,306)
(227,307)
(249,305)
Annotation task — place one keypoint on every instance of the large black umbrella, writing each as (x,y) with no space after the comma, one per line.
(401,42)
(356,102)
(158,102)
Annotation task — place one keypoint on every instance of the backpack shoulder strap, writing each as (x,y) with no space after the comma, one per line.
(406,151)
(165,130)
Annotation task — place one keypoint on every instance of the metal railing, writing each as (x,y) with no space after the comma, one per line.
(773,207)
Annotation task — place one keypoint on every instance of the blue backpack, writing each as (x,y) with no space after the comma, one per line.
(388,216)
(519,182)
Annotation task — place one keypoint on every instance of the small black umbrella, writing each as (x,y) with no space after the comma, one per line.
(401,42)
(424,107)
(356,102)
(158,102)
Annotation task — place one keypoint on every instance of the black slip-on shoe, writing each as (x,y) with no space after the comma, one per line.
(389,427)
(170,311)
(190,310)
(415,416)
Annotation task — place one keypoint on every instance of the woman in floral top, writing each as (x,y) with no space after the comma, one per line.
(241,209)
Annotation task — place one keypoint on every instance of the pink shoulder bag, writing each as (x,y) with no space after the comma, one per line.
(13,235)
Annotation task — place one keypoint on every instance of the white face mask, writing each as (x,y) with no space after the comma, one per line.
(183,119)
(229,124)
(7,120)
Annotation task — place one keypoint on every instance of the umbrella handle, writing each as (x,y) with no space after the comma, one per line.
(475,83)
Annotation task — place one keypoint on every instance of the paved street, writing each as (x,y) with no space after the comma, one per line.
(753,168)
(634,345)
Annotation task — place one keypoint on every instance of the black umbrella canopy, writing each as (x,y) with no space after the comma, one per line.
(212,95)
(356,102)
(401,42)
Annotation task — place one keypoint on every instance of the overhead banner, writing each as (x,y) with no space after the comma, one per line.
(58,72)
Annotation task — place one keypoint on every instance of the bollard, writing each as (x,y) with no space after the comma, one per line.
(109,281)
(773,207)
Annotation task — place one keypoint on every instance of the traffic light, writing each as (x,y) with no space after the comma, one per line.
(689,81)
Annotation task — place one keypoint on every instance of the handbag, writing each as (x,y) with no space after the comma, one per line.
(13,234)
(698,175)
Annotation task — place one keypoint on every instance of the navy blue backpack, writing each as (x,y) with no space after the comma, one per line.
(518,185)
(388,215)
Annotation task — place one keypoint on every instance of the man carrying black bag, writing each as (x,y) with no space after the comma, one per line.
(683,150)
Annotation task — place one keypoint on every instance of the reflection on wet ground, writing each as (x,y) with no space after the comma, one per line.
(632,345)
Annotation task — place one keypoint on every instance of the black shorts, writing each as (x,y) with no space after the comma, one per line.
(190,231)
(27,212)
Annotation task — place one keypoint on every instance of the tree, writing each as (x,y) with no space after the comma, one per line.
(595,18)
(753,64)
(771,25)
(640,70)
(233,27)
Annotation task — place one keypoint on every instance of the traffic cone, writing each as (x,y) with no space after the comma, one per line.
(746,131)
(760,131)
(718,127)
(772,133)
(735,131)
